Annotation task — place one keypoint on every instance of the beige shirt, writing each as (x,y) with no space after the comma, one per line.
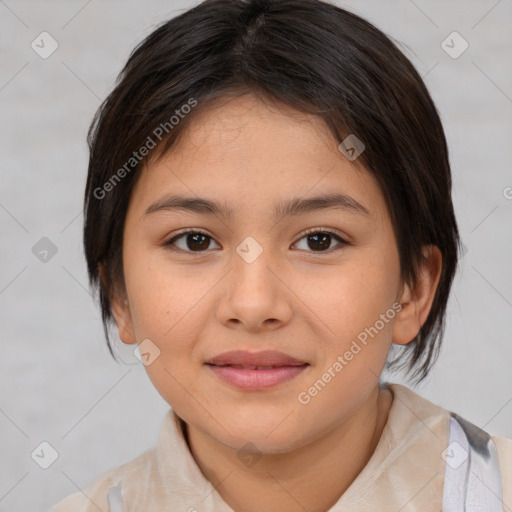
(405,473)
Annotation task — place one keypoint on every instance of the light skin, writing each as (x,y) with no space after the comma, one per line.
(298,296)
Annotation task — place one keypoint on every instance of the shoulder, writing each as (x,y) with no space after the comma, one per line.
(94,497)
(455,425)
(416,412)
(504,449)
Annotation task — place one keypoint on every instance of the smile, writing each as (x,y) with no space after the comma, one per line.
(254,378)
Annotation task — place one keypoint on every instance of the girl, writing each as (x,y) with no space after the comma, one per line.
(268,219)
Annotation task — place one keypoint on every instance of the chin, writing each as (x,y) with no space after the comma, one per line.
(270,437)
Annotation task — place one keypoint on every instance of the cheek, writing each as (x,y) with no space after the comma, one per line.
(150,297)
(361,315)
(166,309)
(161,295)
(356,297)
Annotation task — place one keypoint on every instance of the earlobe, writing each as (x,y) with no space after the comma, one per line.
(122,315)
(417,302)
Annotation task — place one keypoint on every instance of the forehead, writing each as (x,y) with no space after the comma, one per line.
(243,153)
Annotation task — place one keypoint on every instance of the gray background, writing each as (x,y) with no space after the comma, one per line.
(58,381)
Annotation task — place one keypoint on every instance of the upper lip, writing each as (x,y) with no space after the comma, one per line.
(264,358)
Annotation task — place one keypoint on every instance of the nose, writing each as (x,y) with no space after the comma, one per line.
(255,297)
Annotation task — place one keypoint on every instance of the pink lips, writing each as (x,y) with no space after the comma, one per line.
(255,370)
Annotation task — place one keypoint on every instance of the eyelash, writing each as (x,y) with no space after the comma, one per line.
(341,245)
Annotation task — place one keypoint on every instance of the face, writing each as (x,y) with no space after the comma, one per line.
(311,282)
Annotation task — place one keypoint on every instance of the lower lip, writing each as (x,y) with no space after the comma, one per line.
(256,379)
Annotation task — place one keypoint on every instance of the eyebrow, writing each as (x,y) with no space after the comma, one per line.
(296,206)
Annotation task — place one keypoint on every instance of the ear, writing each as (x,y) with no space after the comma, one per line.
(416,303)
(120,309)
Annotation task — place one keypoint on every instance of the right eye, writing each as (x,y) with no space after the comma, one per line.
(194,241)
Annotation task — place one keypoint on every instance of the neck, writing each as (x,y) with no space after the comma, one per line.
(327,466)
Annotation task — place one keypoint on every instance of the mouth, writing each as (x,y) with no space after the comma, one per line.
(256,377)
(253,367)
(264,360)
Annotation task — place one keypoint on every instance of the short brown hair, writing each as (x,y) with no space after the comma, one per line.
(315,57)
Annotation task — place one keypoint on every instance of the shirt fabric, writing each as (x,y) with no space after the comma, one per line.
(405,473)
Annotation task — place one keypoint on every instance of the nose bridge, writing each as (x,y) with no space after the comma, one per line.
(255,294)
(251,265)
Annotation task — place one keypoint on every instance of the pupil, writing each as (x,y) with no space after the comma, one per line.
(322,245)
(196,237)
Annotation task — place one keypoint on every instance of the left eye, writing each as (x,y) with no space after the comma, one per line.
(197,241)
(321,240)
